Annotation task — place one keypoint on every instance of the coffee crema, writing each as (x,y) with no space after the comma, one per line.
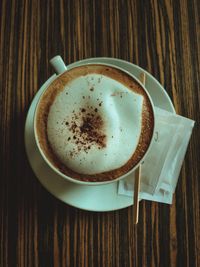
(94,123)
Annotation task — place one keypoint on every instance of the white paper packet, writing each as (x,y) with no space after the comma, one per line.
(126,188)
(180,132)
(162,165)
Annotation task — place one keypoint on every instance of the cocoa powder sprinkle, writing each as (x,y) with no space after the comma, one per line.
(87,129)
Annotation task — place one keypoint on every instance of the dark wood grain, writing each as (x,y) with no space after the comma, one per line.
(35,228)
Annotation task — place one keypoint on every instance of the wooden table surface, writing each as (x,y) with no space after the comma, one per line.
(36,229)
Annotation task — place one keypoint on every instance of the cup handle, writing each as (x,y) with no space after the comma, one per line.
(58,64)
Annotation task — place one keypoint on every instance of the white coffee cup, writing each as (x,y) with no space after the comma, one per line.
(60,67)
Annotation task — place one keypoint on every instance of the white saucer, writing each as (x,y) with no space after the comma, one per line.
(93,198)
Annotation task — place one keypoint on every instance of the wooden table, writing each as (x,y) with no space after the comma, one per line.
(36,228)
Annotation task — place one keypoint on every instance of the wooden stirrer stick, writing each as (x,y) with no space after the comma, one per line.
(137,177)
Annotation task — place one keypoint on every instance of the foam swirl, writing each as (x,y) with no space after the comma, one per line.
(94,124)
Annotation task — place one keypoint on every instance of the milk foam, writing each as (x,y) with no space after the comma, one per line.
(120,110)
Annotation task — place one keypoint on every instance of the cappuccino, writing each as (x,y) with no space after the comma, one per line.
(94,123)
